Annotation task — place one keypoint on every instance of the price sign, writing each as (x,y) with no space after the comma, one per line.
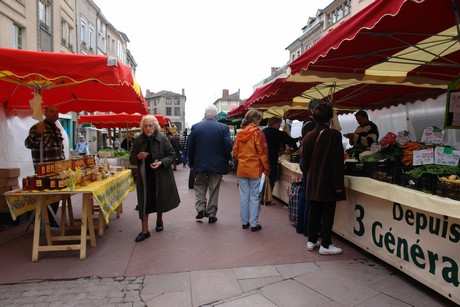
(424,156)
(446,156)
(432,135)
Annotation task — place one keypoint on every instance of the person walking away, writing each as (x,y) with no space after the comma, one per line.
(175,145)
(47,145)
(153,155)
(116,143)
(82,146)
(183,147)
(251,152)
(322,157)
(209,149)
(127,142)
(276,139)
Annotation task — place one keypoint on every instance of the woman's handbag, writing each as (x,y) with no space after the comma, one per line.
(266,193)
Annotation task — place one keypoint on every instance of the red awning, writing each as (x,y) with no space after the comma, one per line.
(72,82)
(279,93)
(399,41)
(119,120)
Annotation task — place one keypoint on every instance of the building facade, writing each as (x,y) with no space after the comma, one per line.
(227,101)
(168,104)
(65,26)
(324,21)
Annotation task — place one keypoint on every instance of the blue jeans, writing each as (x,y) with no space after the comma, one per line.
(249,200)
(184,157)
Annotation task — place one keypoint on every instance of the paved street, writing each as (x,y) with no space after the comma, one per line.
(195,263)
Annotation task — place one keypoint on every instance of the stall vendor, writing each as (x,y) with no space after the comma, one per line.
(366,133)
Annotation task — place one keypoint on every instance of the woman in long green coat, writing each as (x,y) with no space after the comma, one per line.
(154,157)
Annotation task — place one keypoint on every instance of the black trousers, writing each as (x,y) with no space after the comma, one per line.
(320,220)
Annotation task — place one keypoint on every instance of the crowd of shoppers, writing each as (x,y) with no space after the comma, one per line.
(208,150)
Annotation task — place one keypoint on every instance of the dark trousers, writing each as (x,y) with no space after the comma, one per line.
(54,207)
(321,220)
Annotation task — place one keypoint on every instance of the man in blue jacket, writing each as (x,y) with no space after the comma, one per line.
(209,148)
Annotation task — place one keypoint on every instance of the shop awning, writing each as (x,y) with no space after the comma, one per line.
(119,120)
(412,42)
(72,82)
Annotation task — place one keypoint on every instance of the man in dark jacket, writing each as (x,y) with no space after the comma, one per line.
(209,148)
(276,138)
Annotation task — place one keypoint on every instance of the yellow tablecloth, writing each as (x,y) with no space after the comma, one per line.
(109,194)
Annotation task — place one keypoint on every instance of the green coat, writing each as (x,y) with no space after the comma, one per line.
(166,192)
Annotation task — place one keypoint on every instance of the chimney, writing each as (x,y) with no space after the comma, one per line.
(225,93)
(148,93)
(183,92)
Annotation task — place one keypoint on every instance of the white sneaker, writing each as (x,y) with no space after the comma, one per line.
(311,246)
(332,250)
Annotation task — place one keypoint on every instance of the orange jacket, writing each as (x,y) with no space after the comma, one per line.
(251,151)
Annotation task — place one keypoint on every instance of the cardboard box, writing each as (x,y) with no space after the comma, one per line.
(9,172)
(9,182)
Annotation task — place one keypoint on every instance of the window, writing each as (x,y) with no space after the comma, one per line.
(44,15)
(155,111)
(168,111)
(17,37)
(224,103)
(91,37)
(168,101)
(66,34)
(177,101)
(83,32)
(176,111)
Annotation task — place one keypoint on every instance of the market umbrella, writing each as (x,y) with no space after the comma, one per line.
(121,120)
(391,42)
(72,82)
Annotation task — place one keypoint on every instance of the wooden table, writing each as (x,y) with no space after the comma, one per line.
(109,195)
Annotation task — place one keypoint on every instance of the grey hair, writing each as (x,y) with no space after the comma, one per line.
(210,111)
(155,121)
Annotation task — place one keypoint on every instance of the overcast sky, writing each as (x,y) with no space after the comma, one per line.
(205,46)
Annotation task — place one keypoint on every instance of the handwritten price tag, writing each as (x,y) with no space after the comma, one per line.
(432,135)
(424,156)
(446,156)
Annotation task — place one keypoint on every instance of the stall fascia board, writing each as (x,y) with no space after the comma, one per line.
(412,198)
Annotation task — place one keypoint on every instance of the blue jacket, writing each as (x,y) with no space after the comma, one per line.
(209,147)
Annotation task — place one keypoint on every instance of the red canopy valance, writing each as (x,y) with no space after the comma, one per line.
(119,120)
(72,82)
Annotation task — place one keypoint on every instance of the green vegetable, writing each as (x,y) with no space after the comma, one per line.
(418,171)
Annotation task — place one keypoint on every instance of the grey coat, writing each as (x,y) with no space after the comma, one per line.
(166,192)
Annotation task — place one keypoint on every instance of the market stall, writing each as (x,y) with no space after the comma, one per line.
(388,55)
(289,173)
(415,232)
(109,195)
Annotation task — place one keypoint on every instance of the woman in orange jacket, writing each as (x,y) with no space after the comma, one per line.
(251,152)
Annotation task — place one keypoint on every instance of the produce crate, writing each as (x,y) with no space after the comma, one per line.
(387,172)
(359,169)
(447,189)
(425,183)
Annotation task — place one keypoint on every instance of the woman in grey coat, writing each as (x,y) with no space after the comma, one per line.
(153,155)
